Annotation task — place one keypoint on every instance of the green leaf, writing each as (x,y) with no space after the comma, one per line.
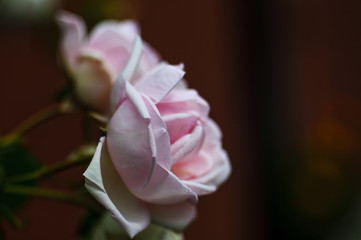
(14,160)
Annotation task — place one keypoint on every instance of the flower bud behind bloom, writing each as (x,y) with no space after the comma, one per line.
(94,61)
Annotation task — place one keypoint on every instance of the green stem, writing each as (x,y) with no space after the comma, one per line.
(98,117)
(48,194)
(80,157)
(34,120)
(11,217)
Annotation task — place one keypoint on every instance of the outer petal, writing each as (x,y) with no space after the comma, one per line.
(103,182)
(72,36)
(113,30)
(159,81)
(174,216)
(131,144)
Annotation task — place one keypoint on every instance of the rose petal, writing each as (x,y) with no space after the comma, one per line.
(214,135)
(221,170)
(149,59)
(161,136)
(184,101)
(179,124)
(116,58)
(212,152)
(118,92)
(103,182)
(131,144)
(133,61)
(193,168)
(165,188)
(109,33)
(115,40)
(174,216)
(159,81)
(199,188)
(73,32)
(187,146)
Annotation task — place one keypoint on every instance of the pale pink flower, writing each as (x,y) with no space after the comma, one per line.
(161,151)
(95,61)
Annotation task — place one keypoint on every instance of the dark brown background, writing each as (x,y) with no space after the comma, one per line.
(283,80)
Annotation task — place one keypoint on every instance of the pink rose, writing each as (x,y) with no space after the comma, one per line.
(94,62)
(161,151)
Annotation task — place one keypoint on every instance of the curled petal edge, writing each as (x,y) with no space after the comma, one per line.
(103,182)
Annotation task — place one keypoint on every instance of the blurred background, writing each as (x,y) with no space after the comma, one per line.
(282,78)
